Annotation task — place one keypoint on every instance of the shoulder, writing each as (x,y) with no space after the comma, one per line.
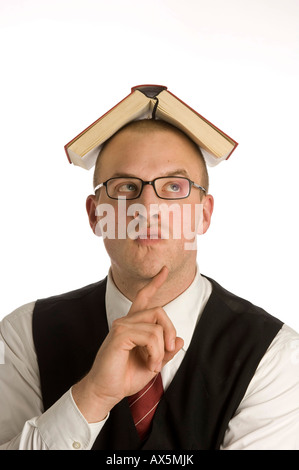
(281,358)
(70,314)
(75,305)
(250,320)
(16,338)
(75,294)
(234,302)
(18,322)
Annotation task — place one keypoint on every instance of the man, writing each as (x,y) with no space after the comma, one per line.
(229,370)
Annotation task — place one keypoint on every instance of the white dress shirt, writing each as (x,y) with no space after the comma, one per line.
(267,417)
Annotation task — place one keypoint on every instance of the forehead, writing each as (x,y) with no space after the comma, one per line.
(148,154)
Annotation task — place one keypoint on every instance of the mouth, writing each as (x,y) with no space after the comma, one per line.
(148,241)
(149,237)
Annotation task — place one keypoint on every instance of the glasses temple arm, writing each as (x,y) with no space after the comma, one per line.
(98,186)
(199,187)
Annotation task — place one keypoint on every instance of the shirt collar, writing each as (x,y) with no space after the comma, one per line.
(184,311)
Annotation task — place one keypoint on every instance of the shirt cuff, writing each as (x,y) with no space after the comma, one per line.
(63,427)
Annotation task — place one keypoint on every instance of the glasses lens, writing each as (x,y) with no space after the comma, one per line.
(172,187)
(125,188)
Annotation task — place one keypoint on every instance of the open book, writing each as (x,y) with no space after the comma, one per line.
(150,102)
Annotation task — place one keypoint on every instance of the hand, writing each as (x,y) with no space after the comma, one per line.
(135,350)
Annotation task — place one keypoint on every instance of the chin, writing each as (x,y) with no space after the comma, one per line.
(148,268)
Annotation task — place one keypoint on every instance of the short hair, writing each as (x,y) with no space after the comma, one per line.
(151,125)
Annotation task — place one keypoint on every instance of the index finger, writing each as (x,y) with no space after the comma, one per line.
(145,294)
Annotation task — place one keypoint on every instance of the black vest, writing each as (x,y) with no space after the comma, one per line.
(229,341)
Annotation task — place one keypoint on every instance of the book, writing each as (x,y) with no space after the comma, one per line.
(150,102)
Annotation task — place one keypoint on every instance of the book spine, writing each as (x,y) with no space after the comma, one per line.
(140,87)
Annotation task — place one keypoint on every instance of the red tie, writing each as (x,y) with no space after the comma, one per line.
(143,405)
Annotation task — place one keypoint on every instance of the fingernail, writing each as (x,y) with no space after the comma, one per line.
(172,345)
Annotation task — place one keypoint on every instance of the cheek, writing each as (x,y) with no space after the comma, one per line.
(108,219)
(183,221)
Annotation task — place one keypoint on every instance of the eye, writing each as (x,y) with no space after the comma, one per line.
(173,187)
(127,187)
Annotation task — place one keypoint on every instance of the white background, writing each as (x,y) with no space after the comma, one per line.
(66,62)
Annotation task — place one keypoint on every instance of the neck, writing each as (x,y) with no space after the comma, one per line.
(176,283)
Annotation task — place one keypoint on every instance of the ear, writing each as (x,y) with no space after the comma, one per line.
(207,210)
(91,205)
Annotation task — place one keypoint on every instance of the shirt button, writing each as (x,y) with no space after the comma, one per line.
(76,445)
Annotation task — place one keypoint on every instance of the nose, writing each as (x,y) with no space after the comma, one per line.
(150,202)
(148,194)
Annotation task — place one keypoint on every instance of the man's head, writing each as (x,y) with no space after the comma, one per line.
(148,150)
(148,126)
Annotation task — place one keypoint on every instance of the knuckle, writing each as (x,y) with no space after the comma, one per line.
(117,326)
(161,315)
(160,311)
(156,333)
(152,337)
(159,329)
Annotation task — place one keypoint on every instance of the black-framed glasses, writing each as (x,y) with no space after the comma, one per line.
(166,187)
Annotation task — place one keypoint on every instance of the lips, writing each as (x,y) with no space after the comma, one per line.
(149,234)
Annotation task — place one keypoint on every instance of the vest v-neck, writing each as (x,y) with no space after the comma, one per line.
(229,341)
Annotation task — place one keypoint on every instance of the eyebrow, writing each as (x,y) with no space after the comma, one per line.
(177,172)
